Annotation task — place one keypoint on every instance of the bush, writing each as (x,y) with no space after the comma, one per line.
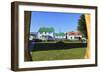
(57,46)
(37,40)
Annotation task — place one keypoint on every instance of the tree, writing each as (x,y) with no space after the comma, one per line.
(82,25)
(27,20)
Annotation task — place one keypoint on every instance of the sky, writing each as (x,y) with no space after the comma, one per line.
(61,22)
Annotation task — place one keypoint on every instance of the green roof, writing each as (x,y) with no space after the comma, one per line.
(44,29)
(59,34)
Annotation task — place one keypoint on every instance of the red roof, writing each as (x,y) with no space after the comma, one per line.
(74,33)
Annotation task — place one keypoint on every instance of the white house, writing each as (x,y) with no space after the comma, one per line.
(44,32)
(33,35)
(74,35)
(60,35)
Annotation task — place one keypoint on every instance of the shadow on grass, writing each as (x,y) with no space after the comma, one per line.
(57,46)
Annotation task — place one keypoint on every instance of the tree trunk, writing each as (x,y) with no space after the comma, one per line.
(27,20)
(87,18)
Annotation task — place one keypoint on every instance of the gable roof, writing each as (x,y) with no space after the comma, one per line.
(60,34)
(44,29)
(74,33)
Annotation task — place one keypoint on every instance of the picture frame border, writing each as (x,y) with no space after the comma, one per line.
(14,35)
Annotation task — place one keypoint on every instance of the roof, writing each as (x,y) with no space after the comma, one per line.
(74,33)
(60,34)
(44,29)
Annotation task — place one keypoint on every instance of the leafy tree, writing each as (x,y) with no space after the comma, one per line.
(82,25)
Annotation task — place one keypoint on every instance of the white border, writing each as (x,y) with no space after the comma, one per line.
(23,64)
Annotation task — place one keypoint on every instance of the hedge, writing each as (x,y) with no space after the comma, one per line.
(57,46)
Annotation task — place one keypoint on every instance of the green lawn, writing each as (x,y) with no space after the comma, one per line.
(74,53)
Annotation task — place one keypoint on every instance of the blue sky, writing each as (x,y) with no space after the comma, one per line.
(61,22)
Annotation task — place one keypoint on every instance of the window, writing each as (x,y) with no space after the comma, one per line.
(70,37)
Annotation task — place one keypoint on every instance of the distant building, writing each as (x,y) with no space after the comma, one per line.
(60,35)
(73,35)
(33,35)
(44,32)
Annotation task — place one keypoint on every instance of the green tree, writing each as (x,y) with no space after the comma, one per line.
(82,25)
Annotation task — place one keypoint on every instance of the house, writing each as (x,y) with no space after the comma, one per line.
(60,35)
(73,35)
(33,35)
(44,33)
(48,33)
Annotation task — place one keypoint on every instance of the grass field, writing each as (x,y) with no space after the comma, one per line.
(74,53)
